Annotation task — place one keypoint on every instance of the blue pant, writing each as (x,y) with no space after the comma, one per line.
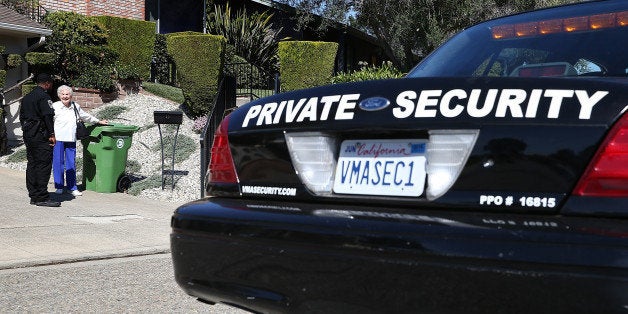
(64,159)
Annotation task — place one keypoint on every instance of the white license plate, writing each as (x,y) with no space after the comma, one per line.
(381,167)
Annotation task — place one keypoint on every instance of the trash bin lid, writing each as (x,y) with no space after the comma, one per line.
(114,128)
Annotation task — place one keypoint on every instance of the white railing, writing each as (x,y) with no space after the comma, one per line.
(5,91)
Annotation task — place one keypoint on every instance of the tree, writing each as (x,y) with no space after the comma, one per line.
(408,30)
(252,36)
(333,11)
(80,44)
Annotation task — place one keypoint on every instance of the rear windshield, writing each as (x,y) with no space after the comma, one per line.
(533,48)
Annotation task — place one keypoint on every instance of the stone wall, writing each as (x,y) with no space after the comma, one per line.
(92,98)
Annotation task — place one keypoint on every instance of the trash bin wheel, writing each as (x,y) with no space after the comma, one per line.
(124,182)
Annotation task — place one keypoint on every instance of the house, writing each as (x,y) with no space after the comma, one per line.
(19,35)
(355,46)
(171,16)
(188,15)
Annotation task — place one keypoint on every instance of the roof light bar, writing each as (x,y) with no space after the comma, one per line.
(567,25)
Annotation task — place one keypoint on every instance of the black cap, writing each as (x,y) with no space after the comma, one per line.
(43,78)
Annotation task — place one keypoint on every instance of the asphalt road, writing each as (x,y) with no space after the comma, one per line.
(138,284)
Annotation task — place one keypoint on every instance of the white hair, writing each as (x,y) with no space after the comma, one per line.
(64,87)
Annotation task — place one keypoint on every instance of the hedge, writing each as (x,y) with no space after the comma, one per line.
(39,62)
(27,88)
(162,61)
(80,44)
(134,41)
(3,78)
(305,64)
(199,60)
(14,60)
(367,73)
(40,58)
(3,73)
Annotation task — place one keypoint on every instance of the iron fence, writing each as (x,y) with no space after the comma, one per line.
(163,72)
(238,80)
(252,82)
(223,104)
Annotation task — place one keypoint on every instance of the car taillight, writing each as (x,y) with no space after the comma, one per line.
(221,167)
(447,153)
(607,175)
(312,155)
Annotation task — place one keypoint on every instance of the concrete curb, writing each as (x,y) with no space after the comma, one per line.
(45,261)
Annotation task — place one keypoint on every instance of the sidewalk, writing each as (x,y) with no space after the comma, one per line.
(92,226)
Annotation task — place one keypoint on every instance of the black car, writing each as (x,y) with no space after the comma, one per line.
(492,179)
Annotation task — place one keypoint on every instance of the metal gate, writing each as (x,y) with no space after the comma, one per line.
(251,82)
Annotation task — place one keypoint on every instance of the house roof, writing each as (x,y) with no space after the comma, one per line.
(12,22)
(274,4)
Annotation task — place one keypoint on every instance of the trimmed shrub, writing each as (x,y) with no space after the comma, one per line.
(40,59)
(73,28)
(14,60)
(133,166)
(305,64)
(367,73)
(199,60)
(80,44)
(165,91)
(134,42)
(3,78)
(18,156)
(128,72)
(27,88)
(110,112)
(151,182)
(96,77)
(161,61)
(186,146)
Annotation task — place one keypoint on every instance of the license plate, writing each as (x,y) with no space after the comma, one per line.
(381,167)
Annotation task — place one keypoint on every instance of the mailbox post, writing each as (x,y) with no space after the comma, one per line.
(168,117)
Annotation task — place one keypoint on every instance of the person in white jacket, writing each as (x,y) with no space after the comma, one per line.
(64,151)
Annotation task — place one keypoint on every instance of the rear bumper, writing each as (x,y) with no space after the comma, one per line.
(291,257)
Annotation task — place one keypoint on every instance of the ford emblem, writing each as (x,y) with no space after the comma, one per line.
(374,103)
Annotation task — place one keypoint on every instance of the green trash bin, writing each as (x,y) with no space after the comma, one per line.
(105,154)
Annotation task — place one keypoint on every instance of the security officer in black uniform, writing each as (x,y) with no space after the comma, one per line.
(36,117)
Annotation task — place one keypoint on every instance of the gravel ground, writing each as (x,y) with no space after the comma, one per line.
(145,150)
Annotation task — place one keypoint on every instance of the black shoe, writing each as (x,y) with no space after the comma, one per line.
(47,203)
